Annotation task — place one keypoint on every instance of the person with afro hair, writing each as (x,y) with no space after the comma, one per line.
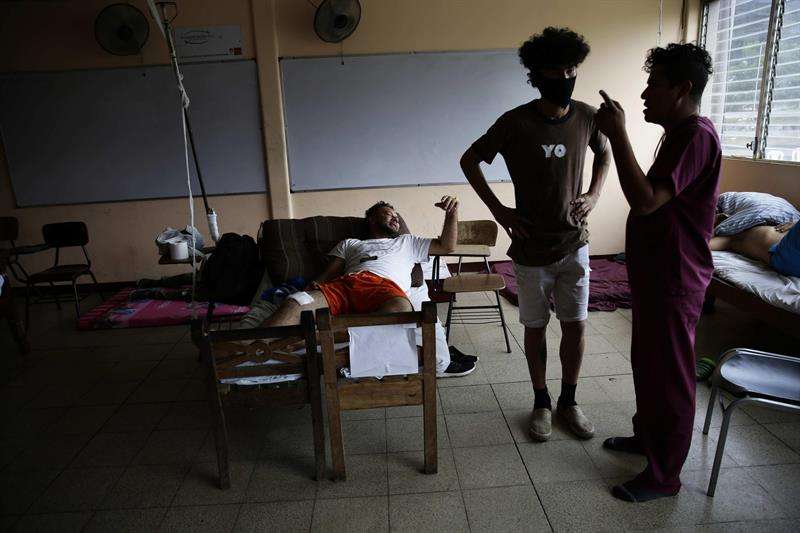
(668,259)
(544,144)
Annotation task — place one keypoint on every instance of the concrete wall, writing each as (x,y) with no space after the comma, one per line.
(780,179)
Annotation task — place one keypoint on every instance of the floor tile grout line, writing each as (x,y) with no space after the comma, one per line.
(117,410)
(150,433)
(183,480)
(62,470)
(525,466)
(386,457)
(458,476)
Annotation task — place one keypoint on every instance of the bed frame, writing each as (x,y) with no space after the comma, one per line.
(782,319)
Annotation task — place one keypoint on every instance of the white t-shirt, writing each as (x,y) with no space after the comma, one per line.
(389,258)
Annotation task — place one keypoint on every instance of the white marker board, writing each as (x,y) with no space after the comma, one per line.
(396,119)
(115,134)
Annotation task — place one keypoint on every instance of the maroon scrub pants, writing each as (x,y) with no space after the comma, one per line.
(663,362)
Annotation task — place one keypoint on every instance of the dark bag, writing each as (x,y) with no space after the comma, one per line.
(233,271)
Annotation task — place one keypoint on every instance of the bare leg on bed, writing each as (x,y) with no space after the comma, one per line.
(288,314)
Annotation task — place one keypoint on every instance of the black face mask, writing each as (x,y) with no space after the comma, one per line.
(557,91)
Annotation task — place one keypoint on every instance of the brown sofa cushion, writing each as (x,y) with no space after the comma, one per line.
(299,247)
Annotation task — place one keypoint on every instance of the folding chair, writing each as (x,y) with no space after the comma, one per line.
(751,376)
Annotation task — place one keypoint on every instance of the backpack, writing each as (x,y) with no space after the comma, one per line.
(233,271)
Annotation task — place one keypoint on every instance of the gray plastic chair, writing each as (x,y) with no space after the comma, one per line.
(751,376)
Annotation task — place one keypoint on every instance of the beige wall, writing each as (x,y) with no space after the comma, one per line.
(780,179)
(58,35)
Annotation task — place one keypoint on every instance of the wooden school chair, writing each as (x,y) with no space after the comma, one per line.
(292,351)
(343,394)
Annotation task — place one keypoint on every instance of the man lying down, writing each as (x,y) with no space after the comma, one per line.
(374,276)
(759,226)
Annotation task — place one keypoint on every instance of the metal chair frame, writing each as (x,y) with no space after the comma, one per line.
(477,314)
(727,412)
(9,231)
(31,279)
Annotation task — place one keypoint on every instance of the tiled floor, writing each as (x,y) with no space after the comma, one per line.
(109,431)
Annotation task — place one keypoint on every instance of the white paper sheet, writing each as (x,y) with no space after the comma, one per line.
(378,351)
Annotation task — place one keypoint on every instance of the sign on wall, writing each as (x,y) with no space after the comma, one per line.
(204,43)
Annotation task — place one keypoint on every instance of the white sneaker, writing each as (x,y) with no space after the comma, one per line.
(577,421)
(541,424)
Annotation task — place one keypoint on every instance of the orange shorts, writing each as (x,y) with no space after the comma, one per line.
(360,292)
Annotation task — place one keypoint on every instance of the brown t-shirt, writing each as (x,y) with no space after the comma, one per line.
(545,160)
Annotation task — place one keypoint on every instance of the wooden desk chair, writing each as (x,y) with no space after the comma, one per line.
(225,350)
(58,236)
(343,394)
(475,239)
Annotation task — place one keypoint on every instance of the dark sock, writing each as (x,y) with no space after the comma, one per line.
(541,399)
(567,396)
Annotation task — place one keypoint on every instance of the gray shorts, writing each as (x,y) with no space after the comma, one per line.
(567,280)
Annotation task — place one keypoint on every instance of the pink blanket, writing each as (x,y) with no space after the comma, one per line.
(118,312)
(608,284)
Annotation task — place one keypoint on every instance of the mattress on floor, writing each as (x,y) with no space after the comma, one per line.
(757,278)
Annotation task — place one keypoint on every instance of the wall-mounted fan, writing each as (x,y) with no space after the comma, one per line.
(336,20)
(121,29)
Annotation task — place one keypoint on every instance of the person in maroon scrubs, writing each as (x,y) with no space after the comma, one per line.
(669,262)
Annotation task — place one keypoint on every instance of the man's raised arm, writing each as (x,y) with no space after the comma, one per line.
(446,243)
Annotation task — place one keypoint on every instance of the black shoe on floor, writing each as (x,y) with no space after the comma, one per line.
(461,357)
(623,444)
(632,492)
(457,369)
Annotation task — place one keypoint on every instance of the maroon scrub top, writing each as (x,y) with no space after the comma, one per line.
(667,250)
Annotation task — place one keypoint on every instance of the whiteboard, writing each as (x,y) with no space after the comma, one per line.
(395,119)
(115,134)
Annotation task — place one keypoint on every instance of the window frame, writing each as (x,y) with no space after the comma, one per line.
(758,145)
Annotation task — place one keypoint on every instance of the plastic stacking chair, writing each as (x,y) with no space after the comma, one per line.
(62,235)
(750,376)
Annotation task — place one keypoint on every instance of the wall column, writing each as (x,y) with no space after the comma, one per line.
(265,34)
